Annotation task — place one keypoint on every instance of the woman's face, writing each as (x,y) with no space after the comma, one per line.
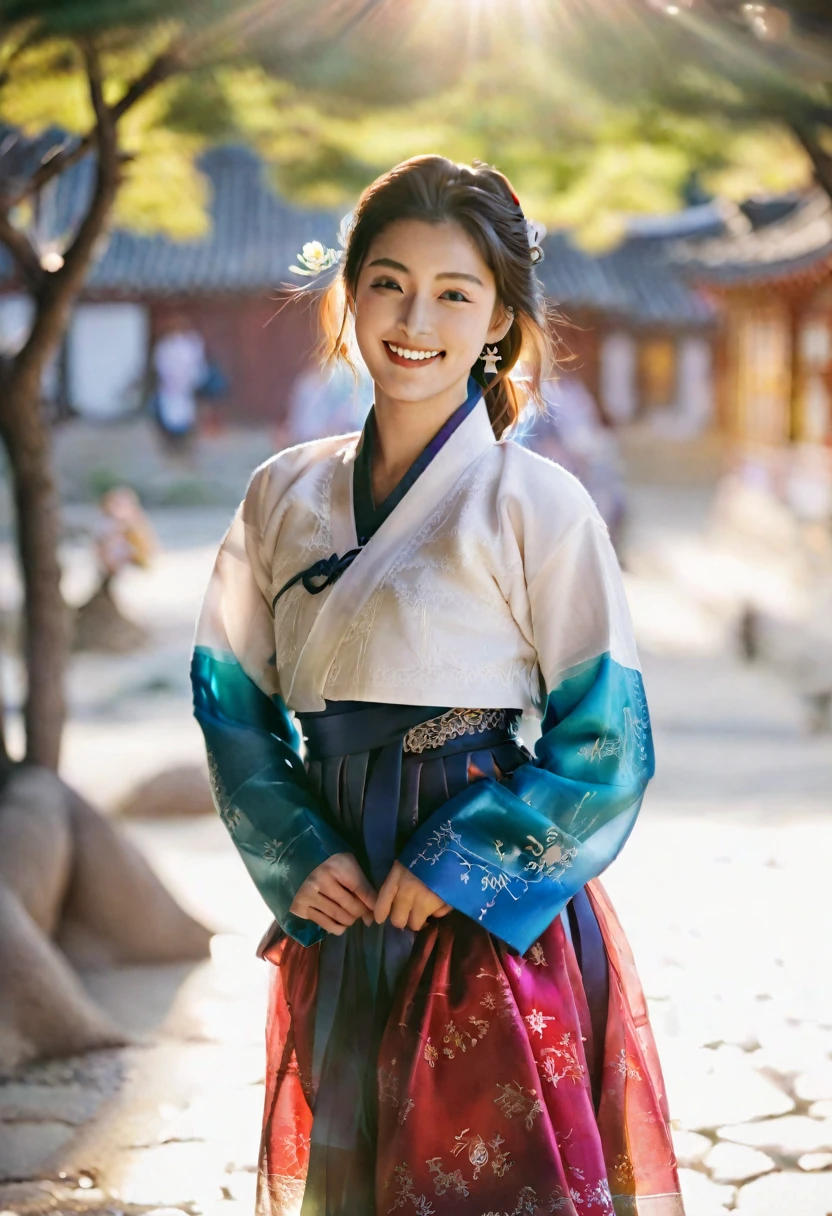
(425,291)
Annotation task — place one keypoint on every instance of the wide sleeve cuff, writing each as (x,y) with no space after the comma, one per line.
(294,865)
(494,853)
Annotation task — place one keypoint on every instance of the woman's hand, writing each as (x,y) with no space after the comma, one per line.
(407,900)
(335,895)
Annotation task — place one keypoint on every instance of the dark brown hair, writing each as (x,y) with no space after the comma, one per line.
(481,200)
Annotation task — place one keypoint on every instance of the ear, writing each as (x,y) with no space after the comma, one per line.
(501,323)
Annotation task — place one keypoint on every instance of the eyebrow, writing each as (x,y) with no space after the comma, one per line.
(448,274)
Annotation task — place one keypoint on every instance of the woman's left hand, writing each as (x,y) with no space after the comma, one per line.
(407,900)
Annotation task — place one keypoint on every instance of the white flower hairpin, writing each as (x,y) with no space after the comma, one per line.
(315,258)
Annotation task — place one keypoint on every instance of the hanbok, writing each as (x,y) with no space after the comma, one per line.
(359,673)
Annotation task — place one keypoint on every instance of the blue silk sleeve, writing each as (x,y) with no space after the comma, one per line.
(511,854)
(260,787)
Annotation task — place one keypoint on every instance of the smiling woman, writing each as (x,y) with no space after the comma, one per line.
(403,596)
(428,273)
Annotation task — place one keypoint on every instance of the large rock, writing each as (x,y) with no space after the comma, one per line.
(43,1008)
(176,792)
(31,1150)
(117,910)
(70,1103)
(72,889)
(36,850)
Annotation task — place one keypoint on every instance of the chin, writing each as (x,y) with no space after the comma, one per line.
(414,385)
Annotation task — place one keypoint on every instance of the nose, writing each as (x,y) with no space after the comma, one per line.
(415,320)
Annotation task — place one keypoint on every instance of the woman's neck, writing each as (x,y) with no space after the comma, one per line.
(403,431)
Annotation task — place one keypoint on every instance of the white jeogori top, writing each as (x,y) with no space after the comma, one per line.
(490,579)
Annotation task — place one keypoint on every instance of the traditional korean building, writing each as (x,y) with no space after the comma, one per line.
(772,282)
(642,333)
(643,336)
(225,284)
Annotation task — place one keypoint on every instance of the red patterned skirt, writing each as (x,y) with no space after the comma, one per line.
(496,1087)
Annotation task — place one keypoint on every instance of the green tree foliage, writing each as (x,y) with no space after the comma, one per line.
(743,69)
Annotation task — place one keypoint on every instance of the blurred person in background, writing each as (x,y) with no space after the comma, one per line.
(454,1008)
(123,536)
(181,368)
(325,402)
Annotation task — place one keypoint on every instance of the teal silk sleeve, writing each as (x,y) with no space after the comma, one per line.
(512,854)
(259,785)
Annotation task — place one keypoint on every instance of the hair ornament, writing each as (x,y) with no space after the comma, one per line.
(345,228)
(535,233)
(315,258)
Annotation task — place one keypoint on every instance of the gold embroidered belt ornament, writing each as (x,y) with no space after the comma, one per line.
(452,725)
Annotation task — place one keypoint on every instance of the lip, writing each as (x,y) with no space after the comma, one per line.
(400,362)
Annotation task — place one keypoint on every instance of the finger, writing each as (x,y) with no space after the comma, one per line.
(320,918)
(351,876)
(322,903)
(401,909)
(386,896)
(416,920)
(348,902)
(442,910)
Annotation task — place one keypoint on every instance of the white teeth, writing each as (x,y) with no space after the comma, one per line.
(413,354)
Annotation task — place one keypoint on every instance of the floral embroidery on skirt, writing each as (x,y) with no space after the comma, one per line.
(484,1097)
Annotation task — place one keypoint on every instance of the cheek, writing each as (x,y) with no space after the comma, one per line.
(471,331)
(372,312)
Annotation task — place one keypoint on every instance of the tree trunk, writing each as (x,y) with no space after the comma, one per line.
(26,435)
(27,440)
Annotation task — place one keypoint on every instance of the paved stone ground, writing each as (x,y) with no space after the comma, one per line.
(722,889)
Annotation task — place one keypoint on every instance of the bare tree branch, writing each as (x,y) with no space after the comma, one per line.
(59,289)
(23,252)
(163,66)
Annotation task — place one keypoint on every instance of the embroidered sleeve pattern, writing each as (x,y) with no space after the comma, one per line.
(512,854)
(257,778)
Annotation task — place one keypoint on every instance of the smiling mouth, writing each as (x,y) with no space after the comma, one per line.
(403,356)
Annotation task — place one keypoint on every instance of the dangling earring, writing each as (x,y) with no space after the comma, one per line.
(490,357)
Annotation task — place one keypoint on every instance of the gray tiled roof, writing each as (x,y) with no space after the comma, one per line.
(253,239)
(802,239)
(255,236)
(637,282)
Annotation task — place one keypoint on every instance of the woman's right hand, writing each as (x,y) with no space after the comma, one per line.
(335,895)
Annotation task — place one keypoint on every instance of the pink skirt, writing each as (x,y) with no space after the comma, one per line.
(485,1100)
